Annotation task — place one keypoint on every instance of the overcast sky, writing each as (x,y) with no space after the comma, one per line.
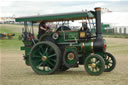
(18,8)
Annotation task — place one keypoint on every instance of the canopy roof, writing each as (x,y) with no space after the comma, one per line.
(57,17)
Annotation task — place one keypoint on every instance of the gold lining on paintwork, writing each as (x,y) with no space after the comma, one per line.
(82,45)
(92,45)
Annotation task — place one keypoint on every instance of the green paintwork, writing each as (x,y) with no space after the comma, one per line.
(88,47)
(70,49)
(57,17)
(22,48)
(27,51)
(71,35)
(27,47)
(67,36)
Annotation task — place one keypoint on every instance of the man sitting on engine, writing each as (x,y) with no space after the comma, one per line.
(84,27)
(43,28)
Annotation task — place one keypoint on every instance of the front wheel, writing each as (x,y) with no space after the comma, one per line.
(94,64)
(110,62)
(45,57)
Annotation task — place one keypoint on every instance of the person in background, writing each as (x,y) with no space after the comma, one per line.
(43,28)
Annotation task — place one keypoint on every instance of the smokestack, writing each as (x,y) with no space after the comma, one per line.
(98,23)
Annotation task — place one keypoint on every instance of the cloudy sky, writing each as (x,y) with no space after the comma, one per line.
(18,8)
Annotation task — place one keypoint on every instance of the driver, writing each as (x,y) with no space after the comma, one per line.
(84,27)
(43,28)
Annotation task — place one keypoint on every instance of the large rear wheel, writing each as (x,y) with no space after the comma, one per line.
(45,57)
(63,68)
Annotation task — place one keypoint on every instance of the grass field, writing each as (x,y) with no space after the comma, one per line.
(13,70)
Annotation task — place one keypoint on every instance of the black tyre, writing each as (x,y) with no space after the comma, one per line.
(110,62)
(63,68)
(45,57)
(94,64)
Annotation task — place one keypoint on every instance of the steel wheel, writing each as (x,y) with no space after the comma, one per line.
(110,62)
(63,68)
(45,57)
(94,64)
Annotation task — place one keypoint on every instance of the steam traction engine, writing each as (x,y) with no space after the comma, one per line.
(65,48)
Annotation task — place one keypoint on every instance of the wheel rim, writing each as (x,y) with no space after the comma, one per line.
(94,65)
(43,59)
(110,62)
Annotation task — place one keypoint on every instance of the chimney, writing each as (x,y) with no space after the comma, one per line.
(98,23)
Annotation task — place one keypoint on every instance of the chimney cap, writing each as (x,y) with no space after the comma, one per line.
(98,8)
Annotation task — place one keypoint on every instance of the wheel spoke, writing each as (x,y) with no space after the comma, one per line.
(97,62)
(92,69)
(40,53)
(107,66)
(51,55)
(53,60)
(109,58)
(41,49)
(46,51)
(89,64)
(92,60)
(44,66)
(36,56)
(110,61)
(110,65)
(36,51)
(97,69)
(50,63)
(37,62)
(40,64)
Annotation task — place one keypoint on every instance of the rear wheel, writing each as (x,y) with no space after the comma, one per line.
(63,68)
(45,57)
(110,62)
(94,64)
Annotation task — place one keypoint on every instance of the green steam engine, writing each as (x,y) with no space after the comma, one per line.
(64,48)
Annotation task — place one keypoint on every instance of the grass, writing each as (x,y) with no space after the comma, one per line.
(13,70)
(10,43)
(116,35)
